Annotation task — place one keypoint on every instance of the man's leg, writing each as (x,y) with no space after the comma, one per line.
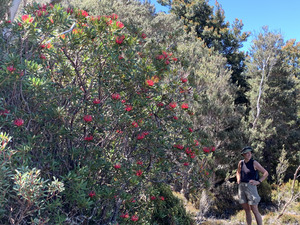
(256,213)
(246,207)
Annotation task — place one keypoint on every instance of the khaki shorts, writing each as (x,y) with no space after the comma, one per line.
(248,194)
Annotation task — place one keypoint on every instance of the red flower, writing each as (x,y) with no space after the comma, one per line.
(192,155)
(160,104)
(186,164)
(159,57)
(96,101)
(139,173)
(183,80)
(134,218)
(178,146)
(19,24)
(196,143)
(162,198)
(114,16)
(167,62)
(150,82)
(42,46)
(141,136)
(19,122)
(27,18)
(190,130)
(145,133)
(4,113)
(213,149)
(117,166)
(144,35)
(89,138)
(184,106)
(172,105)
(135,124)
(42,56)
(8,21)
(174,59)
(69,11)
(92,194)
(49,45)
(175,117)
(128,108)
(206,149)
(139,162)
(119,24)
(133,201)
(152,198)
(121,57)
(11,68)
(165,54)
(120,39)
(88,118)
(124,215)
(188,150)
(115,96)
(83,13)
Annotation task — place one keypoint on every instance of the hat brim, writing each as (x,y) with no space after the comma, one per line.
(246,150)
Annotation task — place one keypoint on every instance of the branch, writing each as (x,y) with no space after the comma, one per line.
(293,196)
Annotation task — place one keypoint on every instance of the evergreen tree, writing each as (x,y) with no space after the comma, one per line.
(210,26)
(274,103)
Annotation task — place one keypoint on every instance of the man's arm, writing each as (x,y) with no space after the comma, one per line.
(238,173)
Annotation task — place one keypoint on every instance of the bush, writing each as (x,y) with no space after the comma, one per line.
(86,101)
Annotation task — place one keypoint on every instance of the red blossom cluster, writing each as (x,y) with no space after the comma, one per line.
(87,118)
(149,82)
(119,24)
(183,80)
(42,11)
(207,149)
(172,105)
(125,216)
(120,39)
(184,106)
(135,124)
(92,194)
(4,113)
(139,173)
(18,122)
(139,162)
(96,101)
(27,18)
(190,153)
(89,138)
(116,96)
(117,166)
(128,108)
(11,69)
(178,146)
(143,35)
(83,13)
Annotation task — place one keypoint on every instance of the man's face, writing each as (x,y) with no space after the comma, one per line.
(247,155)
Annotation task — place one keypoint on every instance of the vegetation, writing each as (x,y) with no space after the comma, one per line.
(110,111)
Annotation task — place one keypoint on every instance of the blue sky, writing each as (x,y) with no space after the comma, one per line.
(280,16)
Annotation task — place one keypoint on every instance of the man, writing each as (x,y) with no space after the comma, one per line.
(248,179)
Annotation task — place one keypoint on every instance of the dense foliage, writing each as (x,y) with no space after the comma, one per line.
(102,117)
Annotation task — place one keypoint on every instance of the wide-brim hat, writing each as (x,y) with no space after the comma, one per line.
(246,149)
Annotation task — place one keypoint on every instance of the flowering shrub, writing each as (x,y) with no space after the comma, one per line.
(87,113)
